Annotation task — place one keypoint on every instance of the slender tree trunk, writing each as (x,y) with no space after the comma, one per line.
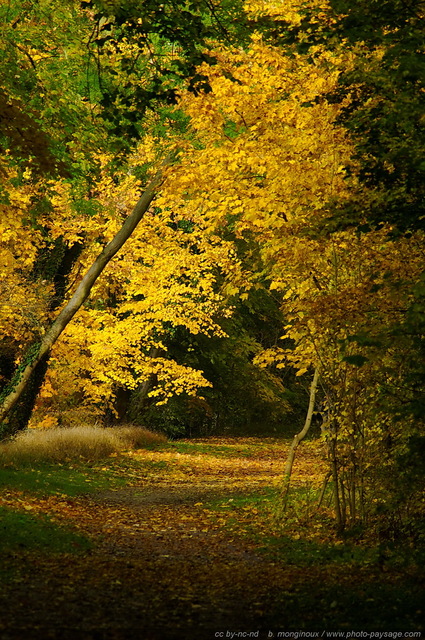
(297,439)
(352,495)
(38,352)
(139,397)
(335,478)
(343,499)
(323,489)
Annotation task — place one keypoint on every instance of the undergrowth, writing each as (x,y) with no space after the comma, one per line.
(304,535)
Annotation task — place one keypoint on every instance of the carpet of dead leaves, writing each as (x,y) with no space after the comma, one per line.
(162,566)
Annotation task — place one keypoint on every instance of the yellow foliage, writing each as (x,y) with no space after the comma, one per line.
(261,164)
(267,161)
(23,302)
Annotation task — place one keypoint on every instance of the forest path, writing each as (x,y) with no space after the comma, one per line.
(190,579)
(166,564)
(161,566)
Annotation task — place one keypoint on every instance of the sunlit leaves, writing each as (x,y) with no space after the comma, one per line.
(268,168)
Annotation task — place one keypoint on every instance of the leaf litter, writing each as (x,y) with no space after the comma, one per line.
(174,557)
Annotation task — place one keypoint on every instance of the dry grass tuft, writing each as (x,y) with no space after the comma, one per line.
(138,437)
(84,442)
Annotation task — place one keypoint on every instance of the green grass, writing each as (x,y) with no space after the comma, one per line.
(22,531)
(307,553)
(54,479)
(77,478)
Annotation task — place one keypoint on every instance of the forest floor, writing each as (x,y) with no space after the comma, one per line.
(178,543)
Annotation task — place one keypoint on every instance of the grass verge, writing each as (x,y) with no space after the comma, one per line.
(48,479)
(26,531)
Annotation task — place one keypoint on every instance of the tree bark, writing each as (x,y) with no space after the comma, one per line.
(54,265)
(335,478)
(36,353)
(139,397)
(323,489)
(297,439)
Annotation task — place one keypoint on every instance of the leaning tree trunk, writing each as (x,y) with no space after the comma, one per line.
(54,266)
(40,351)
(297,439)
(20,414)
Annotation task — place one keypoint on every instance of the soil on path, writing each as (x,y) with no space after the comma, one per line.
(162,569)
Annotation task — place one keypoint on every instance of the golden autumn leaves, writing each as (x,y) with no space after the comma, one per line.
(267,163)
